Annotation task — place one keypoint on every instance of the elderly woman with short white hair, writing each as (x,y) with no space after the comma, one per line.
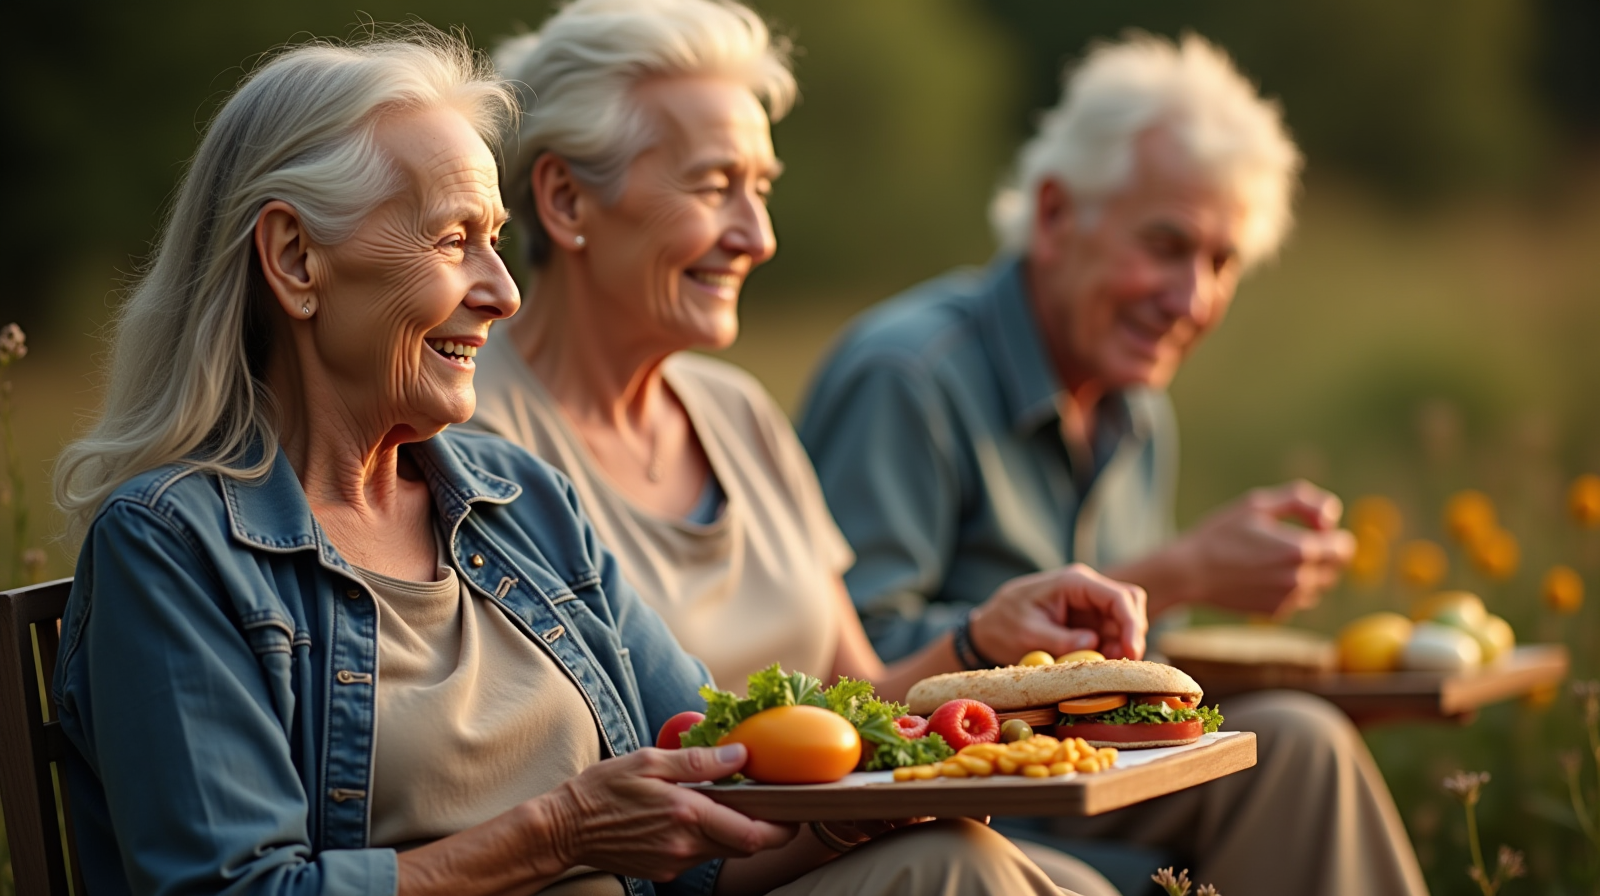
(318,645)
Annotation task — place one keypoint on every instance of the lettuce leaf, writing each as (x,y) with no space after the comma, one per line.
(852,698)
(1145,713)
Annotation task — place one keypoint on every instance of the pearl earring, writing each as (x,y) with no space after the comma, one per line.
(579,241)
(306,309)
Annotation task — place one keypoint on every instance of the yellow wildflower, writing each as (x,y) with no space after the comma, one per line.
(1377,513)
(1371,559)
(1468,515)
(1496,553)
(1583,499)
(1422,563)
(1563,589)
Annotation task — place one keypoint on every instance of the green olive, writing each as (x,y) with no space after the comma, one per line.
(1014,730)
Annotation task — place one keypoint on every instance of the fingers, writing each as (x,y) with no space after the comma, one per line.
(743,836)
(690,764)
(1300,500)
(1120,603)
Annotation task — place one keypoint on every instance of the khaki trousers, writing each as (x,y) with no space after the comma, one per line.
(950,857)
(1313,817)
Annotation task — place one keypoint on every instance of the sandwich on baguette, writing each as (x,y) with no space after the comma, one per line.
(1128,704)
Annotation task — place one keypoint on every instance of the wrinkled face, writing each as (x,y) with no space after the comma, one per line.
(1130,295)
(670,256)
(405,303)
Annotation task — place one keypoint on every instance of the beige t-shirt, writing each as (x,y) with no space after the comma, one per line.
(753,588)
(472,718)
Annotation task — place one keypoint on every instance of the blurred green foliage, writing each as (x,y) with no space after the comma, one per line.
(912,109)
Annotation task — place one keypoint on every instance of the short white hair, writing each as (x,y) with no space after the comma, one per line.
(190,344)
(1191,91)
(576,77)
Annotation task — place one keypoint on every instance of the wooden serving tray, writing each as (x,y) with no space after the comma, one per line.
(1394,694)
(1139,775)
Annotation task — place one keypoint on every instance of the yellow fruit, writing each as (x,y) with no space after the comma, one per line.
(1037,658)
(1462,605)
(1422,563)
(1082,656)
(1495,637)
(1563,589)
(1373,643)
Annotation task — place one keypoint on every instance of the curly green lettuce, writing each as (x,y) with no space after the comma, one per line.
(1134,713)
(852,698)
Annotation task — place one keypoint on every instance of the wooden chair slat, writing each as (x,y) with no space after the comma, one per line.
(31,740)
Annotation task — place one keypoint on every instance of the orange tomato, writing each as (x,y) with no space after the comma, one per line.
(797,745)
(1174,702)
(1086,705)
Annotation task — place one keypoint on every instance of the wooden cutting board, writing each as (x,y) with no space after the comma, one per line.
(1140,775)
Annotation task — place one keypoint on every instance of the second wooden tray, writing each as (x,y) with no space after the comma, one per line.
(1396,694)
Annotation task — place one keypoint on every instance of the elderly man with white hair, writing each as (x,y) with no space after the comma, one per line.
(991,424)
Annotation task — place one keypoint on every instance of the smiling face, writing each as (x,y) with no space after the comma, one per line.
(1125,299)
(403,304)
(668,258)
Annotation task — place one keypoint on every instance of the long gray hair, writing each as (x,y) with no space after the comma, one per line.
(190,344)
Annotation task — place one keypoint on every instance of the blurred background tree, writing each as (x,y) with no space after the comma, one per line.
(1430,326)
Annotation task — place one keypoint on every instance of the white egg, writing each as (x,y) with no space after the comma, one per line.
(1440,648)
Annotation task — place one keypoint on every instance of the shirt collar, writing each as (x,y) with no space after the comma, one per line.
(272,513)
(1028,381)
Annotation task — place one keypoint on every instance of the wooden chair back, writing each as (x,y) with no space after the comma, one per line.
(44,857)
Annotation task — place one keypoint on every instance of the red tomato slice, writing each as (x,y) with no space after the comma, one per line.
(1132,737)
(1083,706)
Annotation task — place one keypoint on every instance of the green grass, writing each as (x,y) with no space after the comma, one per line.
(1328,363)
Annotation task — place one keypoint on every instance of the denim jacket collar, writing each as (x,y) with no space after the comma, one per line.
(271,513)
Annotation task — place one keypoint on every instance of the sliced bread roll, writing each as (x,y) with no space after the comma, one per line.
(1021,687)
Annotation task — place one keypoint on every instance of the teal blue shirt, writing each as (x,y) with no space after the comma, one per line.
(935,430)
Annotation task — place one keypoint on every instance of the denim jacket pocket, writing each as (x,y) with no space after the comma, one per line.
(273,641)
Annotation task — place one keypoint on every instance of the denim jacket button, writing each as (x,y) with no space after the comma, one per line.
(476,561)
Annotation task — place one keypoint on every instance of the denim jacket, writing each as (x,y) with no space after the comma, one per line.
(219,659)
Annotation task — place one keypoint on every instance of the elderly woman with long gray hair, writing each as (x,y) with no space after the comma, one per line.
(319,645)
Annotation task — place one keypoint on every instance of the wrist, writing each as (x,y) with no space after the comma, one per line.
(834,841)
(964,642)
(550,821)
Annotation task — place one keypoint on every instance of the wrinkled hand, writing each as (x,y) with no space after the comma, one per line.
(1059,611)
(1246,557)
(626,815)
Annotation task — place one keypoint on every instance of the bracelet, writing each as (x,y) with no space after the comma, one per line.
(967,652)
(831,840)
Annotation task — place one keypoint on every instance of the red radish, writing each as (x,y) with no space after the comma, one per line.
(671,735)
(911,727)
(963,723)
